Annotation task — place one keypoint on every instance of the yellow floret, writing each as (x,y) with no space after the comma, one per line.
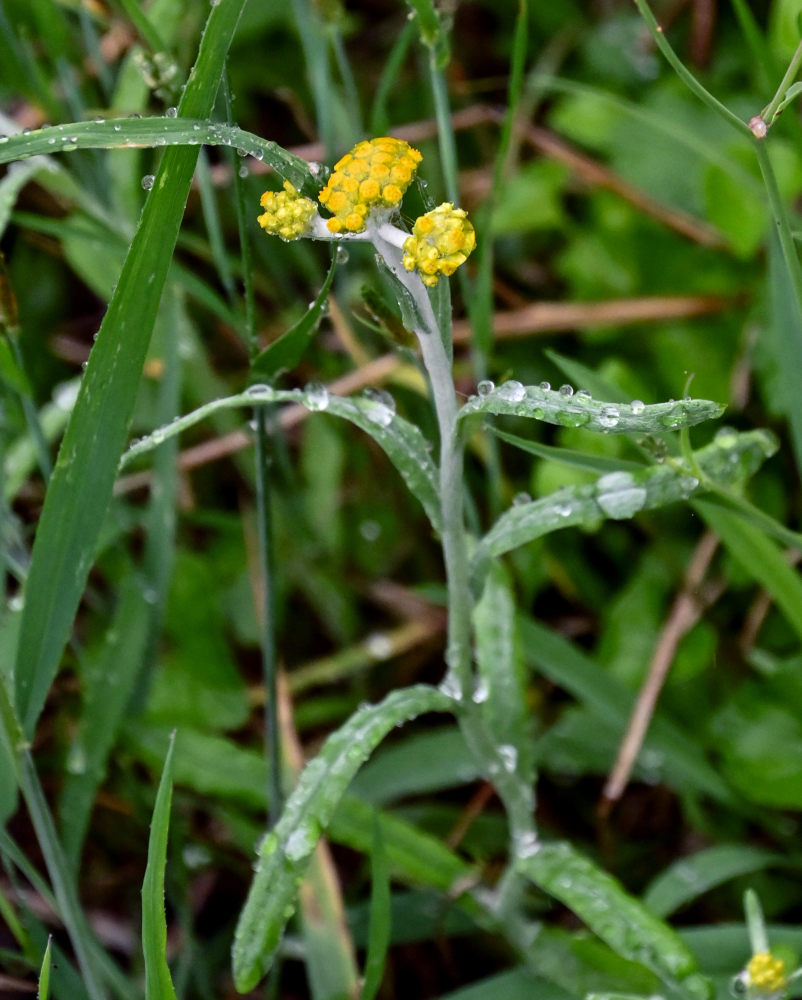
(374,174)
(287,213)
(766,973)
(441,241)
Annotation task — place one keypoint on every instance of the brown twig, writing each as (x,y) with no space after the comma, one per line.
(688,606)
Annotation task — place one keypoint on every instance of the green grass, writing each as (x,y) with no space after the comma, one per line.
(447,603)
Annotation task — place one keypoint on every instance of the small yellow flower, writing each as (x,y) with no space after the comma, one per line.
(375,174)
(287,213)
(766,973)
(441,240)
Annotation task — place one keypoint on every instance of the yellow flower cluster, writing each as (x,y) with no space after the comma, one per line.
(287,213)
(376,173)
(766,973)
(441,240)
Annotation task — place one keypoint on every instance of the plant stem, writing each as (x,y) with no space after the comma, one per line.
(683,72)
(769,113)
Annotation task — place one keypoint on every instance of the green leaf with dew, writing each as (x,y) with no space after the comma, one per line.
(616,917)
(285,851)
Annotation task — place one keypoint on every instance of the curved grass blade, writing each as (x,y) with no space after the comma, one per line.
(621,495)
(688,878)
(615,916)
(185,130)
(158,983)
(568,456)
(401,441)
(569,409)
(285,852)
(80,489)
(286,352)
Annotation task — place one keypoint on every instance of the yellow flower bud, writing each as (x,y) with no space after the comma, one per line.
(287,213)
(375,174)
(441,240)
(766,973)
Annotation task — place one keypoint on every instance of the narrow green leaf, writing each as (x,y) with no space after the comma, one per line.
(577,459)
(107,689)
(286,352)
(685,765)
(413,855)
(81,486)
(186,130)
(380,919)
(579,409)
(44,974)
(618,918)
(285,852)
(402,442)
(686,879)
(621,495)
(760,557)
(158,982)
(501,685)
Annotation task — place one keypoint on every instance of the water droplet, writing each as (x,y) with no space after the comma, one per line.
(147,181)
(563,509)
(513,391)
(316,396)
(583,394)
(76,759)
(259,389)
(688,484)
(726,436)
(3,138)
(27,131)
(451,686)
(638,406)
(172,112)
(521,498)
(545,386)
(566,390)
(379,646)
(300,843)
(99,120)
(342,255)
(382,408)
(485,387)
(243,170)
(370,530)
(481,692)
(509,756)
(619,496)
(609,416)
(526,845)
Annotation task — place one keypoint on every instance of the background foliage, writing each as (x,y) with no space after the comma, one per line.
(631,251)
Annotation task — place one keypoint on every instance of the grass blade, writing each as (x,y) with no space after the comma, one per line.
(82,481)
(44,974)
(158,983)
(285,852)
(761,557)
(188,129)
(380,924)
(688,878)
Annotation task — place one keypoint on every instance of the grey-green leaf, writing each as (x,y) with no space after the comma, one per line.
(577,409)
(621,495)
(618,918)
(285,852)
